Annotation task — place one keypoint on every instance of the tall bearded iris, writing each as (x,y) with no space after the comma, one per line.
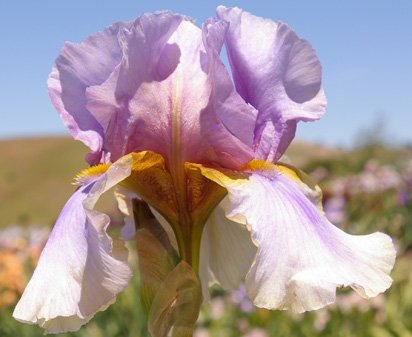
(169,127)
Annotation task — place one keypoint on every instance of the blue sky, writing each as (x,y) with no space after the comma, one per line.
(365,48)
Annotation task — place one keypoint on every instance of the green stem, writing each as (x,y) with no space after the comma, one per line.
(195,247)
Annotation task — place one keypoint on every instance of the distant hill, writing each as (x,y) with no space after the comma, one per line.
(35,178)
(36,175)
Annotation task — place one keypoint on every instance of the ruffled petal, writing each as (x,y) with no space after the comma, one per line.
(302,258)
(172,95)
(81,270)
(78,67)
(278,73)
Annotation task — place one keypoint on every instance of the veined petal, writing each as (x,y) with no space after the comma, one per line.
(78,67)
(302,258)
(278,73)
(81,270)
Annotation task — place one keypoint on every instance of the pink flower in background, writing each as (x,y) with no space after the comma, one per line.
(335,209)
(239,296)
(256,333)
(165,121)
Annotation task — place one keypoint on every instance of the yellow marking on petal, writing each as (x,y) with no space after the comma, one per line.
(292,172)
(259,165)
(226,178)
(305,183)
(223,177)
(203,194)
(263,166)
(93,171)
(152,182)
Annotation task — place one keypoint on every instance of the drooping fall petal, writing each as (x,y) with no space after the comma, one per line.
(276,72)
(302,258)
(81,269)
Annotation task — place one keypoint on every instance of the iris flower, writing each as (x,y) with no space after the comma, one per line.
(168,123)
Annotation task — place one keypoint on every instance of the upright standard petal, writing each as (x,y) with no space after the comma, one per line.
(172,95)
(78,67)
(302,258)
(278,73)
(81,270)
(145,59)
(226,105)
